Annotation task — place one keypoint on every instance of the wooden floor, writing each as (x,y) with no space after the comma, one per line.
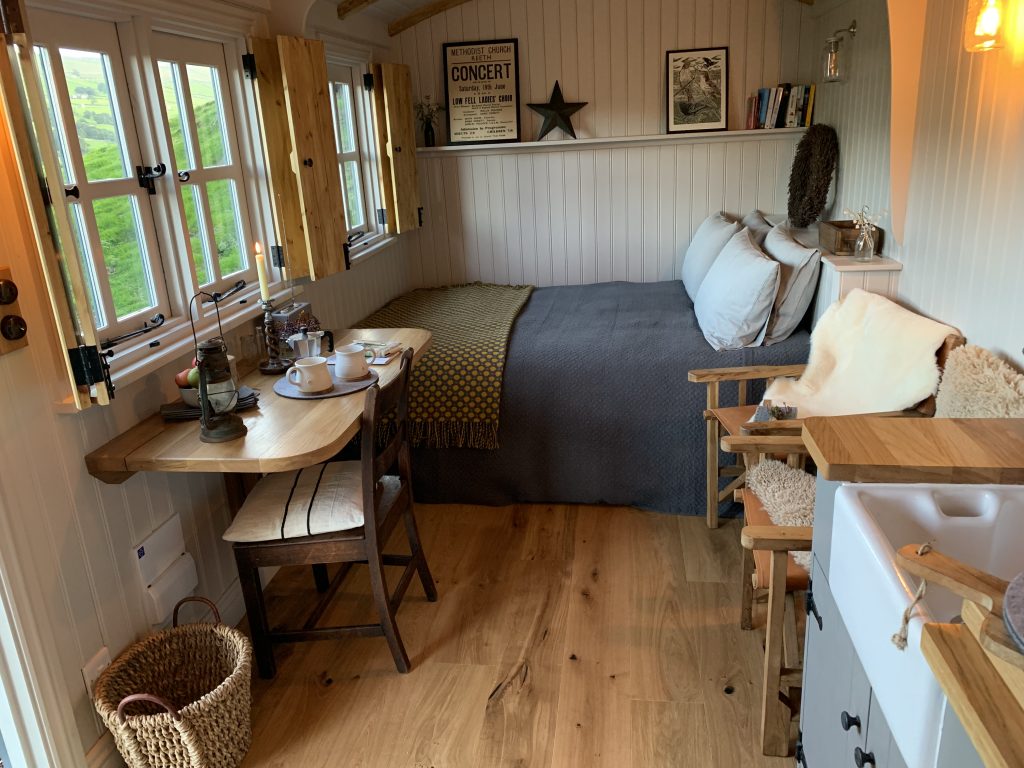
(564,636)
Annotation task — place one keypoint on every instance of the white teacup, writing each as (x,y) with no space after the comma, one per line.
(310,375)
(350,362)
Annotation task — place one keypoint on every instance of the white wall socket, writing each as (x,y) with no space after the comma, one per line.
(94,668)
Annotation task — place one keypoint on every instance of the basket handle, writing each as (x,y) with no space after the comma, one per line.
(195,599)
(131,698)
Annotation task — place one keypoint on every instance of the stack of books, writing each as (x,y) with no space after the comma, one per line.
(785,106)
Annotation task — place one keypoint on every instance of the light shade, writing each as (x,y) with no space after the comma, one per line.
(832,70)
(983,26)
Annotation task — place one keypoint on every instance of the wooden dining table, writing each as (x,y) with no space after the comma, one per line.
(283,433)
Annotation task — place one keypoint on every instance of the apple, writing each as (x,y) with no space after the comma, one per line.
(181,378)
(193,378)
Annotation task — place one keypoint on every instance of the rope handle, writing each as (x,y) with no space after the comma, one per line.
(132,698)
(899,639)
(195,599)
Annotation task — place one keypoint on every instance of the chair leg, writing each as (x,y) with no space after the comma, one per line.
(775,716)
(712,457)
(382,599)
(321,577)
(790,643)
(413,532)
(747,585)
(256,611)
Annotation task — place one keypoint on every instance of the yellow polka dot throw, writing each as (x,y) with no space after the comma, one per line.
(455,390)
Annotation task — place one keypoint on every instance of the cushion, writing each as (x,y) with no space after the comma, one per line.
(798,278)
(736,298)
(708,241)
(978,385)
(758,225)
(326,498)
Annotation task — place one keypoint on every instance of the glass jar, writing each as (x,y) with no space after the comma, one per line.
(864,248)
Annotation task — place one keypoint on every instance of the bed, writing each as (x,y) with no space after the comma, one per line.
(595,405)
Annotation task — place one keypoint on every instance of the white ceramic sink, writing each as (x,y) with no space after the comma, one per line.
(981,525)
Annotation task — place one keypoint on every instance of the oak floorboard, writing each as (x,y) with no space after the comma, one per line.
(711,554)
(564,637)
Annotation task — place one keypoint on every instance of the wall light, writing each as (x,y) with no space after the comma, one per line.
(983,27)
(833,68)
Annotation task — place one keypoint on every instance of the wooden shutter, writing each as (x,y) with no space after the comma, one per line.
(396,137)
(295,101)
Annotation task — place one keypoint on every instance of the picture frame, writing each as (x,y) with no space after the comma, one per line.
(697,90)
(481,91)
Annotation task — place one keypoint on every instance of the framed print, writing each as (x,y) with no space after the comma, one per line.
(481,91)
(697,89)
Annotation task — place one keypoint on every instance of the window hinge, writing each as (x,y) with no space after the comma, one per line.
(45,189)
(90,367)
(809,604)
(382,218)
(277,256)
(368,81)
(249,65)
(801,759)
(147,176)
(346,249)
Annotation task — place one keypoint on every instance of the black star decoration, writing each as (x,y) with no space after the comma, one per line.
(557,112)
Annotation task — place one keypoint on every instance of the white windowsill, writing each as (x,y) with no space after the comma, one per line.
(366,250)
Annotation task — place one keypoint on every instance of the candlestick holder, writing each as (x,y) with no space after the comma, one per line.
(274,364)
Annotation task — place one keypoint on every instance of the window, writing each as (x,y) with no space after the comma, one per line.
(111,111)
(354,134)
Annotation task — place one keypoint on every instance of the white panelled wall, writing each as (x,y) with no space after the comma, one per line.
(559,214)
(961,250)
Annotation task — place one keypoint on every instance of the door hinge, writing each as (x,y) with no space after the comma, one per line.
(249,65)
(382,217)
(277,256)
(419,212)
(147,176)
(801,759)
(90,366)
(368,81)
(811,607)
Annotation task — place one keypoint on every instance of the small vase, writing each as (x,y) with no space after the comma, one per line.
(864,249)
(428,135)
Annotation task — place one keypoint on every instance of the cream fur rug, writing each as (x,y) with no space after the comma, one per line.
(978,385)
(868,355)
(787,495)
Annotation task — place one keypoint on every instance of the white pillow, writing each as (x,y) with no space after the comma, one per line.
(736,298)
(798,278)
(708,241)
(758,225)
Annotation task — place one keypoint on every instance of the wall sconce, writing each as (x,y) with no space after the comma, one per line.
(983,27)
(832,67)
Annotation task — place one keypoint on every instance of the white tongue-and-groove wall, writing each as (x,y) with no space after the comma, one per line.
(616,211)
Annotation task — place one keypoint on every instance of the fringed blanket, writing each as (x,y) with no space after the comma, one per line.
(455,391)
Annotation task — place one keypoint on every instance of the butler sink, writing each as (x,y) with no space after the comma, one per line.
(980,525)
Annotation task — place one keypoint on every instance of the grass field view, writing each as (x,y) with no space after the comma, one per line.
(104,157)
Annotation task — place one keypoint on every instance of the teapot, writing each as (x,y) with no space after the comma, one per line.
(307,343)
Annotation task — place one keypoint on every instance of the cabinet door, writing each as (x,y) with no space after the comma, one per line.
(834,683)
(879,742)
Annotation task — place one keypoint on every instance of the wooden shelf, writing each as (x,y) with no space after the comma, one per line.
(568,145)
(851,264)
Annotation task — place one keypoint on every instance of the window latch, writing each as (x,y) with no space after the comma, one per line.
(147,176)
(150,325)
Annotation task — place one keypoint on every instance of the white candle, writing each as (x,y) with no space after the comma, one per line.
(261,272)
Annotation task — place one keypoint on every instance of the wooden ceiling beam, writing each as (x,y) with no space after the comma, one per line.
(422,14)
(348,7)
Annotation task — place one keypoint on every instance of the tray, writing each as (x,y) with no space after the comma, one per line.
(285,388)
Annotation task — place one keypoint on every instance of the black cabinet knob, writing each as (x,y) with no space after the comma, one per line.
(13,327)
(862,758)
(849,721)
(8,292)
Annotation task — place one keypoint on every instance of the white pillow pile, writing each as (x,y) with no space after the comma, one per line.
(742,295)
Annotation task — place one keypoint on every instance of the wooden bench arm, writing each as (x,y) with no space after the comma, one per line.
(789,444)
(778,538)
(744,373)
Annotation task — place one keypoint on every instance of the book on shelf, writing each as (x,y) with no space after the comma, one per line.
(787,105)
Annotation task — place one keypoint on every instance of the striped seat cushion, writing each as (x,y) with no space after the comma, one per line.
(326,498)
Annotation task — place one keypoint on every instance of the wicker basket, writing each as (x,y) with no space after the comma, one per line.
(181,698)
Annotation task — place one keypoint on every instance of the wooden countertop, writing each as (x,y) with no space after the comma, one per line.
(284,434)
(872,449)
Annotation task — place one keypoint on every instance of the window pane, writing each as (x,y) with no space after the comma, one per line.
(88,266)
(171,90)
(204,88)
(353,194)
(227,230)
(131,287)
(60,140)
(196,236)
(345,124)
(92,103)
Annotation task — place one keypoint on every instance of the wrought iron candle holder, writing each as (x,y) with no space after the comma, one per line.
(274,364)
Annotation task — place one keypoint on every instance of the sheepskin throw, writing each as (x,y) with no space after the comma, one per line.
(787,495)
(455,389)
(978,385)
(868,355)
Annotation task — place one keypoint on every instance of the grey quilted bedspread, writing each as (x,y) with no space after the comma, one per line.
(595,405)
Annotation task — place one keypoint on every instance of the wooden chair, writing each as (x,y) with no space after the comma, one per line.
(337,512)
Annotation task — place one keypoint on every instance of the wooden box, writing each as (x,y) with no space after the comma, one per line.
(839,237)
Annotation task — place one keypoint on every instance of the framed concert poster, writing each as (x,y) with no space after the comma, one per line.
(481,89)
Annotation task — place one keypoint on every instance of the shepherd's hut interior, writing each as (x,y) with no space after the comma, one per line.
(493,383)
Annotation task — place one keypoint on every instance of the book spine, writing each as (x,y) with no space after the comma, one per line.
(780,119)
(762,107)
(809,120)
